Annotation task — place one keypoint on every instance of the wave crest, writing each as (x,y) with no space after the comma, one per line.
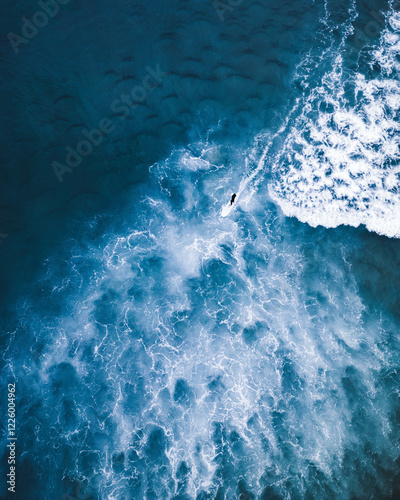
(340,163)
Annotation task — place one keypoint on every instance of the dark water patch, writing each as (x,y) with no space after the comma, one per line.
(255,260)
(318,485)
(106,308)
(271,493)
(255,332)
(182,476)
(64,379)
(202,495)
(118,462)
(134,396)
(156,446)
(183,395)
(377,270)
(216,386)
(243,491)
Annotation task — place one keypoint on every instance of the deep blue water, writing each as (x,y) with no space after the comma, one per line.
(163,350)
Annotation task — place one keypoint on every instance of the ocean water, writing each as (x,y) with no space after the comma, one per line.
(159,349)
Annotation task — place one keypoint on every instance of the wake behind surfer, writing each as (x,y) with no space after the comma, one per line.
(233,198)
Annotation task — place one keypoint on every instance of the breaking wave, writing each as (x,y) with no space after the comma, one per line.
(340,163)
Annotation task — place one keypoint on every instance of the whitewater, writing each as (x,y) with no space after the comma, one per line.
(339,163)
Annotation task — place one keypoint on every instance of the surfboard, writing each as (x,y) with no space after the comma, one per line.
(227,209)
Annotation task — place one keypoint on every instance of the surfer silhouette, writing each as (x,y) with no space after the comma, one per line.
(233,198)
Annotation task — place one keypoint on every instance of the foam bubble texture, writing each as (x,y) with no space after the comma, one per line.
(340,161)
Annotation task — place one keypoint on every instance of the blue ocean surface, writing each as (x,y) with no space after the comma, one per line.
(163,343)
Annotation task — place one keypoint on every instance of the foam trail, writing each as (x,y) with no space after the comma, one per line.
(227,208)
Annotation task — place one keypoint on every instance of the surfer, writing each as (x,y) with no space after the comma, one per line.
(233,198)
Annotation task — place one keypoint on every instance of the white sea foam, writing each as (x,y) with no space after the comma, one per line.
(340,161)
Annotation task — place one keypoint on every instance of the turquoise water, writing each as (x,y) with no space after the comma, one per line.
(161,350)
